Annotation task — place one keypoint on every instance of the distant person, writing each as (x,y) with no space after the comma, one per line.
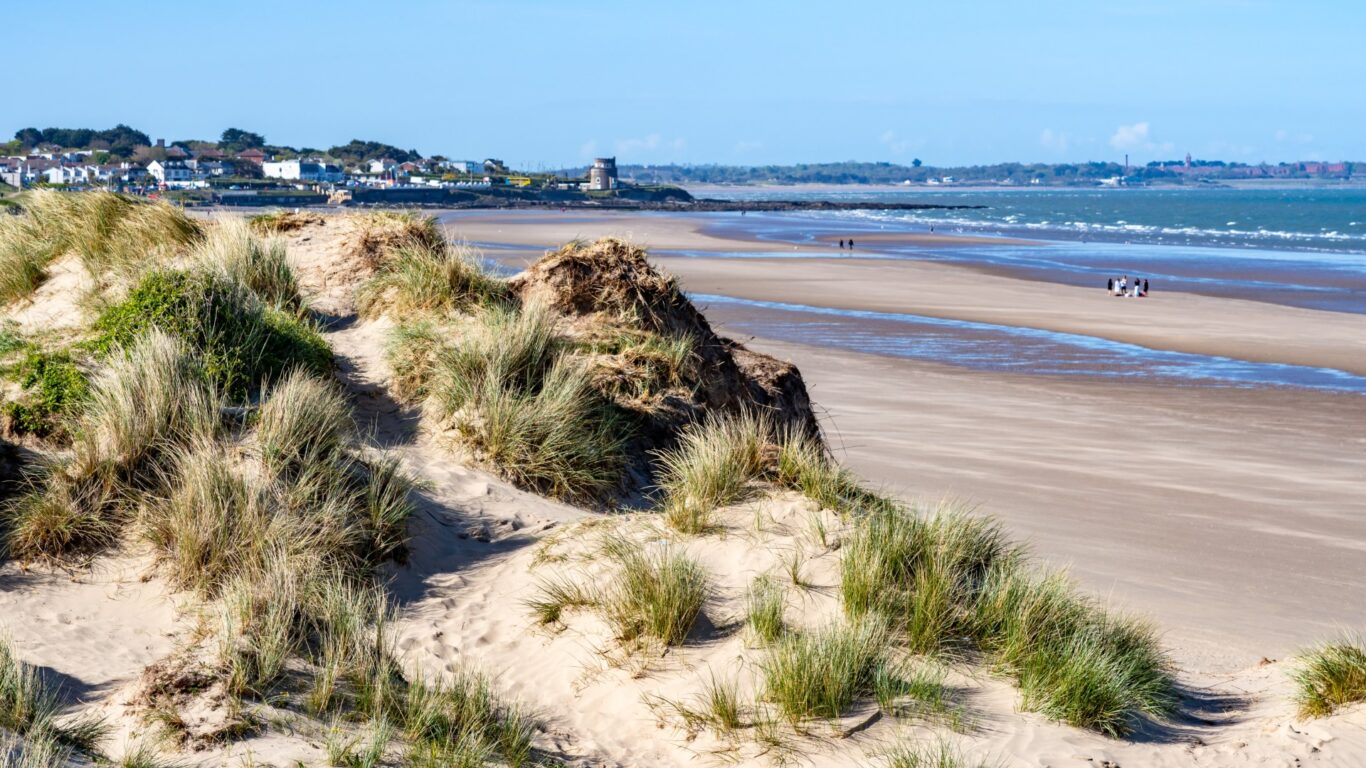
(1110,286)
(1145,286)
(841,243)
(851,243)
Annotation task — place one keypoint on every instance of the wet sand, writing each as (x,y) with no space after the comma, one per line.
(1236,518)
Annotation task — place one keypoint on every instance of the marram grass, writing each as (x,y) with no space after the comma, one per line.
(1329,677)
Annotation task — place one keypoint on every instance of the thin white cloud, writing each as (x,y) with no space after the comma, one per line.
(1138,137)
(745,147)
(588,149)
(1283,136)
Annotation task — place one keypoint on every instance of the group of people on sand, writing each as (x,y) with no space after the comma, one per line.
(851,244)
(1134,289)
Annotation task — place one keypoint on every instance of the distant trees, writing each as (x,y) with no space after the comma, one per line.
(237,140)
(357,151)
(120,141)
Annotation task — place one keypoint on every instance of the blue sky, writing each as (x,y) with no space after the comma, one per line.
(549,83)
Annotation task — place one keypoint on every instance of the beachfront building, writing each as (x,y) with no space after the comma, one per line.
(303,170)
(603,174)
(173,174)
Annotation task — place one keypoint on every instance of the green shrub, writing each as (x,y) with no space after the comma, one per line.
(1329,677)
(242,343)
(55,388)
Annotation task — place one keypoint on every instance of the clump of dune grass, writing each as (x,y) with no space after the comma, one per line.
(412,351)
(924,573)
(935,754)
(282,221)
(59,517)
(819,674)
(712,466)
(805,465)
(149,394)
(240,341)
(1073,660)
(233,249)
(555,596)
(656,594)
(1329,677)
(31,708)
(304,421)
(379,233)
(418,276)
(33,752)
(718,707)
(25,251)
(108,232)
(527,407)
(765,602)
(948,581)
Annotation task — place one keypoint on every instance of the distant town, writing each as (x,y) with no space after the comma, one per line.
(242,168)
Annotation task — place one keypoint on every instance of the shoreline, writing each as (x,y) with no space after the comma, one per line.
(1176,501)
(1181,322)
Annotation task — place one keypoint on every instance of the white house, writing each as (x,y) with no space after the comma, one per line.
(171,173)
(303,170)
(382,165)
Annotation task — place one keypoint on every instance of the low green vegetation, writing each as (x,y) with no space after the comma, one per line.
(526,405)
(242,342)
(31,708)
(1329,677)
(713,466)
(948,581)
(656,594)
(419,276)
(54,387)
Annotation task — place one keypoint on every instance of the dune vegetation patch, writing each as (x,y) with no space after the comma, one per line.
(109,233)
(1329,677)
(949,582)
(242,341)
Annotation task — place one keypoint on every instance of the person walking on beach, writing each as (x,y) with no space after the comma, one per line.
(841,243)
(1110,286)
(1145,286)
(851,243)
